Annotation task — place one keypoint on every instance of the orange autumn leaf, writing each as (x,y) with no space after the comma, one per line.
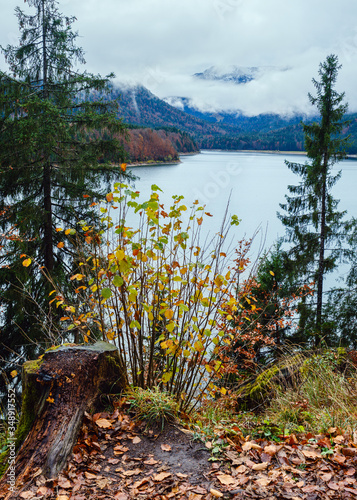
(26,262)
(109,197)
(60,244)
(123,167)
(169,313)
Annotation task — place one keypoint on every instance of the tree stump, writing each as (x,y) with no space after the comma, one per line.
(57,390)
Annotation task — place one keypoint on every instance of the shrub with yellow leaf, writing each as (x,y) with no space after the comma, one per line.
(156,293)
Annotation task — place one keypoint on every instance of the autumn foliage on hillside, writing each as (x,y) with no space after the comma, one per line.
(146,144)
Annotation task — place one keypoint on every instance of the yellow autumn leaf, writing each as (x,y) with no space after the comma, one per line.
(26,262)
(60,244)
(168,313)
(271,272)
(199,346)
(166,377)
(13,373)
(120,254)
(109,197)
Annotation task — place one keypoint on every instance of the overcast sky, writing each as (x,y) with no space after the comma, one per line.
(162,43)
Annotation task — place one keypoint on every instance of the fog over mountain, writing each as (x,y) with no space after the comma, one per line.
(162,44)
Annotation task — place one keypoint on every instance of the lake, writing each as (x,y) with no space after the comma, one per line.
(255,183)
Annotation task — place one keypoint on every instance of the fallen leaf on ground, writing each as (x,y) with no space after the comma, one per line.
(326,477)
(182,476)
(241,469)
(263,481)
(333,486)
(27,494)
(103,423)
(166,447)
(311,454)
(340,459)
(271,449)
(64,483)
(151,461)
(134,472)
(121,496)
(140,483)
(226,479)
(162,476)
(249,445)
(136,440)
(216,493)
(261,466)
(89,475)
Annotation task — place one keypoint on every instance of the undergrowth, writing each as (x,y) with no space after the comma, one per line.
(153,406)
(321,395)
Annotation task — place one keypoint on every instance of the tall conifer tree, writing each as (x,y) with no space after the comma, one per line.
(52,163)
(314,225)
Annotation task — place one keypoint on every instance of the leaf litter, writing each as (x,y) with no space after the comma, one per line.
(118,458)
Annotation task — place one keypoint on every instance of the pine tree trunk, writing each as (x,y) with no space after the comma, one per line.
(320,279)
(57,390)
(48,236)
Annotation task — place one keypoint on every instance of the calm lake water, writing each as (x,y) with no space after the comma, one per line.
(255,184)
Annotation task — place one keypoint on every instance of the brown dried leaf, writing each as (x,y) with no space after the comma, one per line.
(333,486)
(350,472)
(194,496)
(326,477)
(121,496)
(129,473)
(103,483)
(64,483)
(249,445)
(349,452)
(162,476)
(271,449)
(151,461)
(309,488)
(226,479)
(43,490)
(139,484)
(103,423)
(113,461)
(261,466)
(351,490)
(136,440)
(89,475)
(182,476)
(311,454)
(166,447)
(241,469)
(216,493)
(27,494)
(340,459)
(263,481)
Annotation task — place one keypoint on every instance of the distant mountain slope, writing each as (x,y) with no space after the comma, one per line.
(140,107)
(234,119)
